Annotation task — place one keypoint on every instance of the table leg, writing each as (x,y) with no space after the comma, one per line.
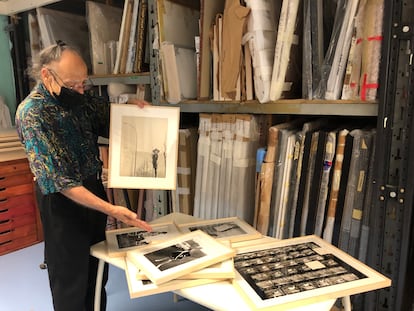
(346,303)
(98,285)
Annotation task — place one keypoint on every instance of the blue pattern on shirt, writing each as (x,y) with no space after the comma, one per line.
(61,143)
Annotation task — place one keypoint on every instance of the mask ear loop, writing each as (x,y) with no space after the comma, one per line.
(50,78)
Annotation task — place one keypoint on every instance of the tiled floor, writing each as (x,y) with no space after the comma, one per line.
(24,287)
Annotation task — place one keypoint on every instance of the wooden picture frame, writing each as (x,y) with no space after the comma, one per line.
(120,241)
(232,229)
(179,256)
(143,147)
(222,270)
(140,288)
(301,271)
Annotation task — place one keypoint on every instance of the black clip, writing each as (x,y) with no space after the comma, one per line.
(60,43)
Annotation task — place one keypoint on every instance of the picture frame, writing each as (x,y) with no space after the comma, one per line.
(179,256)
(120,241)
(232,229)
(313,271)
(143,147)
(221,270)
(140,288)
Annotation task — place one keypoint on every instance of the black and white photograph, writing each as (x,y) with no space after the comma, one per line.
(143,147)
(175,255)
(119,241)
(232,229)
(136,238)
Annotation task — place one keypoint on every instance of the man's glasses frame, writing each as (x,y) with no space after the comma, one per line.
(85,85)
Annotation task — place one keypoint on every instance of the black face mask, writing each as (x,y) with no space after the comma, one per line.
(69,98)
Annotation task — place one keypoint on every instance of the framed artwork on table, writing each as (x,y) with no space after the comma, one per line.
(143,147)
(140,288)
(179,256)
(232,229)
(295,272)
(120,241)
(221,270)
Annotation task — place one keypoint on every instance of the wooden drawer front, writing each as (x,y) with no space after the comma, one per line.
(14,167)
(14,180)
(6,193)
(16,207)
(11,245)
(19,232)
(15,223)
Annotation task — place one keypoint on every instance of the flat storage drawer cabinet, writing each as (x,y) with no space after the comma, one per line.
(19,218)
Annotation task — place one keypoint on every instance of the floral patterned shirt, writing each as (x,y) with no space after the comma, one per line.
(61,142)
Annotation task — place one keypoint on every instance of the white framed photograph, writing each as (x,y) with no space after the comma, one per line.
(120,241)
(179,256)
(232,229)
(222,270)
(143,147)
(140,288)
(295,272)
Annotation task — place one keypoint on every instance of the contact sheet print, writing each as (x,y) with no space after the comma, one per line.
(292,269)
(299,271)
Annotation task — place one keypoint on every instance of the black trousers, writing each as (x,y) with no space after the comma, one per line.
(69,231)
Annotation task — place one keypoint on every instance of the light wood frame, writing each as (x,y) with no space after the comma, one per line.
(120,241)
(368,280)
(143,147)
(221,270)
(140,288)
(179,256)
(232,229)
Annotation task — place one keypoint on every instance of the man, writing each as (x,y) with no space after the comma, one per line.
(59,126)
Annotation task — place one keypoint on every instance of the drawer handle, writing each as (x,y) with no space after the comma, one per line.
(2,222)
(6,242)
(6,232)
(3,200)
(2,177)
(2,189)
(4,210)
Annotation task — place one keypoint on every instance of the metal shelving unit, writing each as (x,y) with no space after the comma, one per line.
(391,242)
(288,106)
(140,78)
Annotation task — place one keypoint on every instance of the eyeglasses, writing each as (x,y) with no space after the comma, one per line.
(77,86)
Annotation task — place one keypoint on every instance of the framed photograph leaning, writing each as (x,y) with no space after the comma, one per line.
(232,229)
(120,241)
(295,272)
(143,147)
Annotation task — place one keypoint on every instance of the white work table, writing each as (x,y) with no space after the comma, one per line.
(216,296)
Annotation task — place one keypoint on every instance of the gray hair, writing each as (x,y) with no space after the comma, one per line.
(48,55)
